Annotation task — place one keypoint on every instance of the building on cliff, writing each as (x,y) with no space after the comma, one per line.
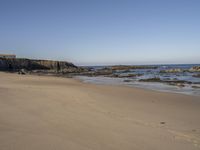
(7,56)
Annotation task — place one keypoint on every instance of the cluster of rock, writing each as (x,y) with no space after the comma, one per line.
(178,70)
(122,71)
(50,67)
(180,83)
(19,64)
(23,66)
(195,69)
(94,73)
(114,71)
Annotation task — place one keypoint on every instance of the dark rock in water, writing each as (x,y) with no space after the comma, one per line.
(175,79)
(196,87)
(114,71)
(178,70)
(114,75)
(196,75)
(15,64)
(130,75)
(176,84)
(95,73)
(179,83)
(151,80)
(124,75)
(127,80)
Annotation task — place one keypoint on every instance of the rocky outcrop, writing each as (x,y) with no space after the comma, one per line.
(178,70)
(172,71)
(12,64)
(195,69)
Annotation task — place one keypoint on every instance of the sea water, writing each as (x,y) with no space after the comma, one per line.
(152,73)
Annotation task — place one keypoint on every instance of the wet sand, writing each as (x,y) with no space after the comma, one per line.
(48,113)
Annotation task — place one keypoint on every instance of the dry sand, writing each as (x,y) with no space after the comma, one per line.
(49,113)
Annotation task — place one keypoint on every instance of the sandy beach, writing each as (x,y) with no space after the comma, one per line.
(54,113)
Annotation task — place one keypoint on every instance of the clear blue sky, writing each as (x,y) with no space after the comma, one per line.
(98,32)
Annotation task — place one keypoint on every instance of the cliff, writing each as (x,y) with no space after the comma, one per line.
(15,64)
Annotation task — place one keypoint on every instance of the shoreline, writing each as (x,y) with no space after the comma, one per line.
(123,84)
(140,85)
(46,112)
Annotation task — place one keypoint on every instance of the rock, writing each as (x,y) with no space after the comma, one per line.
(196,87)
(124,75)
(195,69)
(180,83)
(196,75)
(22,71)
(114,76)
(15,64)
(172,71)
(156,79)
(127,80)
(130,75)
(95,73)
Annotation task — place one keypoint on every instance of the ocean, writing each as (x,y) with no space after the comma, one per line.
(190,89)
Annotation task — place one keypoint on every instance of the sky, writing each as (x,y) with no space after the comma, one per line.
(102,32)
